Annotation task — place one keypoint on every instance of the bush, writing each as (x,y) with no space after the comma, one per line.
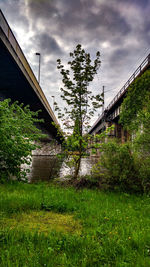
(143,166)
(17,136)
(121,168)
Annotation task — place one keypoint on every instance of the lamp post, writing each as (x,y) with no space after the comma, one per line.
(38,54)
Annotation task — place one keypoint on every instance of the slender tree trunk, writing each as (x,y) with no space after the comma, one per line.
(77,168)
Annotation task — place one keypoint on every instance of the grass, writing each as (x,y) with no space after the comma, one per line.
(46,225)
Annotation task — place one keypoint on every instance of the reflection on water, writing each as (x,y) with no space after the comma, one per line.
(44,168)
(86,165)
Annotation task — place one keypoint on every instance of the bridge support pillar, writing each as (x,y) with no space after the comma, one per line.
(122,135)
(47,148)
(117,130)
(112,133)
(125,136)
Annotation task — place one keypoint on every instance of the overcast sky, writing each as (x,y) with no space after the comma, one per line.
(119,29)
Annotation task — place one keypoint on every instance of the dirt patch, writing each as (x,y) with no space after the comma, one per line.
(43,222)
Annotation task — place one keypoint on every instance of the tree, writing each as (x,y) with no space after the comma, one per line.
(80,102)
(17,135)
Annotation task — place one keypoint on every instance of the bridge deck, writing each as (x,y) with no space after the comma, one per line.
(17,80)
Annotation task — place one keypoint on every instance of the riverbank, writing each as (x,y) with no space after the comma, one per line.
(47,225)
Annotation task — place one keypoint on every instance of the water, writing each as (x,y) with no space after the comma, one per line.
(45,168)
(86,165)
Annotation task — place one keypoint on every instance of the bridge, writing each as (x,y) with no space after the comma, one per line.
(18,82)
(110,116)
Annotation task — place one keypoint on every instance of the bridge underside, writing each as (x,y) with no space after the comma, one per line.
(14,85)
(117,131)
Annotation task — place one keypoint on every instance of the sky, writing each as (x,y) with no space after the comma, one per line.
(119,29)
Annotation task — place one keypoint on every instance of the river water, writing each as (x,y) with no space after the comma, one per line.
(45,168)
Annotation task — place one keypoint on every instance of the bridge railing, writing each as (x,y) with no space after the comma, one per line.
(10,36)
(145,62)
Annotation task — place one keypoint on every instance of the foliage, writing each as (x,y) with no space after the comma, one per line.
(122,167)
(114,227)
(137,100)
(80,102)
(135,117)
(17,135)
(142,138)
(116,167)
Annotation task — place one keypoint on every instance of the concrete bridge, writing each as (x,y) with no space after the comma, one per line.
(110,116)
(18,82)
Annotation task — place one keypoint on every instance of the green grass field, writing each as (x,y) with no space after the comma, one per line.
(46,225)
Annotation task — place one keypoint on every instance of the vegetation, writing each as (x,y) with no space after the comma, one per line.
(17,135)
(135,116)
(127,166)
(45,225)
(80,102)
(120,168)
(136,103)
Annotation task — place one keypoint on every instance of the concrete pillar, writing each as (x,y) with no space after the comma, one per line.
(122,135)
(118,131)
(47,148)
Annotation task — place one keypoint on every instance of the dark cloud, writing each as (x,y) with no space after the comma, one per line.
(42,8)
(72,6)
(47,44)
(45,8)
(64,17)
(140,3)
(147,33)
(109,19)
(143,3)
(118,57)
(76,21)
(13,9)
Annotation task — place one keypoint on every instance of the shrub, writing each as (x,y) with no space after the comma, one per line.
(17,136)
(143,166)
(118,167)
